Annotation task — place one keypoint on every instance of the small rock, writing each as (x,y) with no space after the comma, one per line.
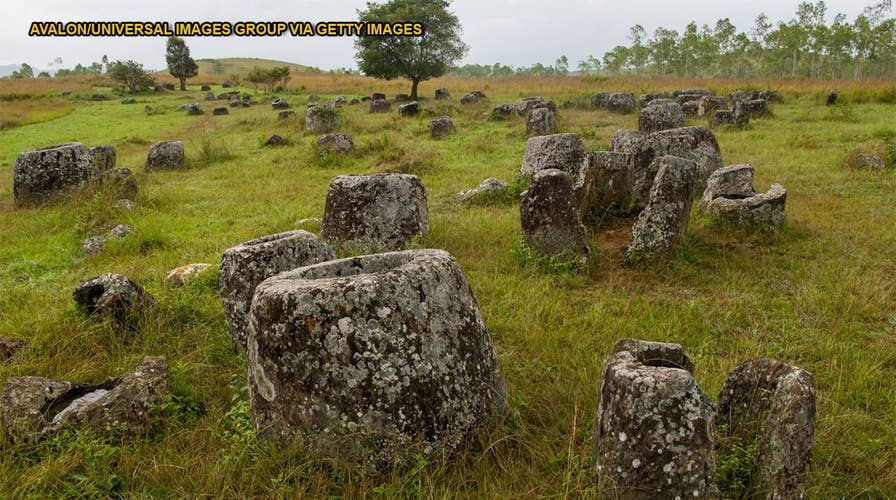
(165,155)
(409,109)
(179,276)
(220,111)
(275,140)
(129,100)
(473,97)
(730,197)
(441,127)
(115,296)
(380,106)
(334,144)
(279,104)
(488,192)
(442,94)
(9,346)
(831,99)
(283,115)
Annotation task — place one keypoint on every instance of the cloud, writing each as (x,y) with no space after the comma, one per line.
(515,32)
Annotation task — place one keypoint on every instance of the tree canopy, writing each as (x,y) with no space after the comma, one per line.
(416,58)
(131,75)
(180,64)
(810,45)
(268,77)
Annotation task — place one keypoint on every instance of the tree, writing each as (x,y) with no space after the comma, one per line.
(180,64)
(131,75)
(268,77)
(416,58)
(24,71)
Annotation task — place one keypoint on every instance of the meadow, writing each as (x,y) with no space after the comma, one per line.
(818,293)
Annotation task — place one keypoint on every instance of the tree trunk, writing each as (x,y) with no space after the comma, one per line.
(414,83)
(183,83)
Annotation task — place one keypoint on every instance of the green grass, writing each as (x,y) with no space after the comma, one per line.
(818,293)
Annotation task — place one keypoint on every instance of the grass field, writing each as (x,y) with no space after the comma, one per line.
(819,293)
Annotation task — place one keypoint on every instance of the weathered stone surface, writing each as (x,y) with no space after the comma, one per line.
(205,88)
(246,265)
(690,108)
(722,117)
(280,104)
(168,86)
(665,218)
(194,109)
(94,245)
(321,119)
(129,100)
(355,100)
(32,408)
(741,115)
(541,121)
(180,276)
(316,98)
(661,114)
(686,98)
(339,101)
(378,96)
(708,105)
(696,92)
(275,140)
(380,106)
(382,211)
(226,84)
(645,99)
(870,161)
(376,359)
(621,102)
(103,158)
(220,111)
(473,97)
(442,94)
(549,216)
(756,108)
(99,97)
(334,144)
(694,143)
(527,104)
(561,151)
(603,184)
(165,155)
(653,426)
(487,192)
(116,297)
(731,197)
(503,112)
(409,109)
(441,127)
(772,403)
(44,172)
(9,346)
(599,100)
(831,99)
(283,115)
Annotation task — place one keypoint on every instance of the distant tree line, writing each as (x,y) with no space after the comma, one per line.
(808,46)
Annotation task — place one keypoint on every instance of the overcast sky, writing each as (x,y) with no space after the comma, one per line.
(515,32)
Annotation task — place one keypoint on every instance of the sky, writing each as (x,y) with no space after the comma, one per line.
(514,32)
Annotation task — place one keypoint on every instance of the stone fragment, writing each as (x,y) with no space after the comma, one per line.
(116,297)
(772,404)
(541,121)
(380,106)
(731,197)
(489,191)
(561,151)
(180,276)
(334,144)
(321,119)
(275,140)
(665,218)
(442,126)
(165,155)
(409,109)
(660,114)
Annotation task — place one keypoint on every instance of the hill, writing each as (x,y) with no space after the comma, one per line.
(242,65)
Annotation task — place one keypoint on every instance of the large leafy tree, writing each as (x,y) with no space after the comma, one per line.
(416,58)
(180,64)
(131,74)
